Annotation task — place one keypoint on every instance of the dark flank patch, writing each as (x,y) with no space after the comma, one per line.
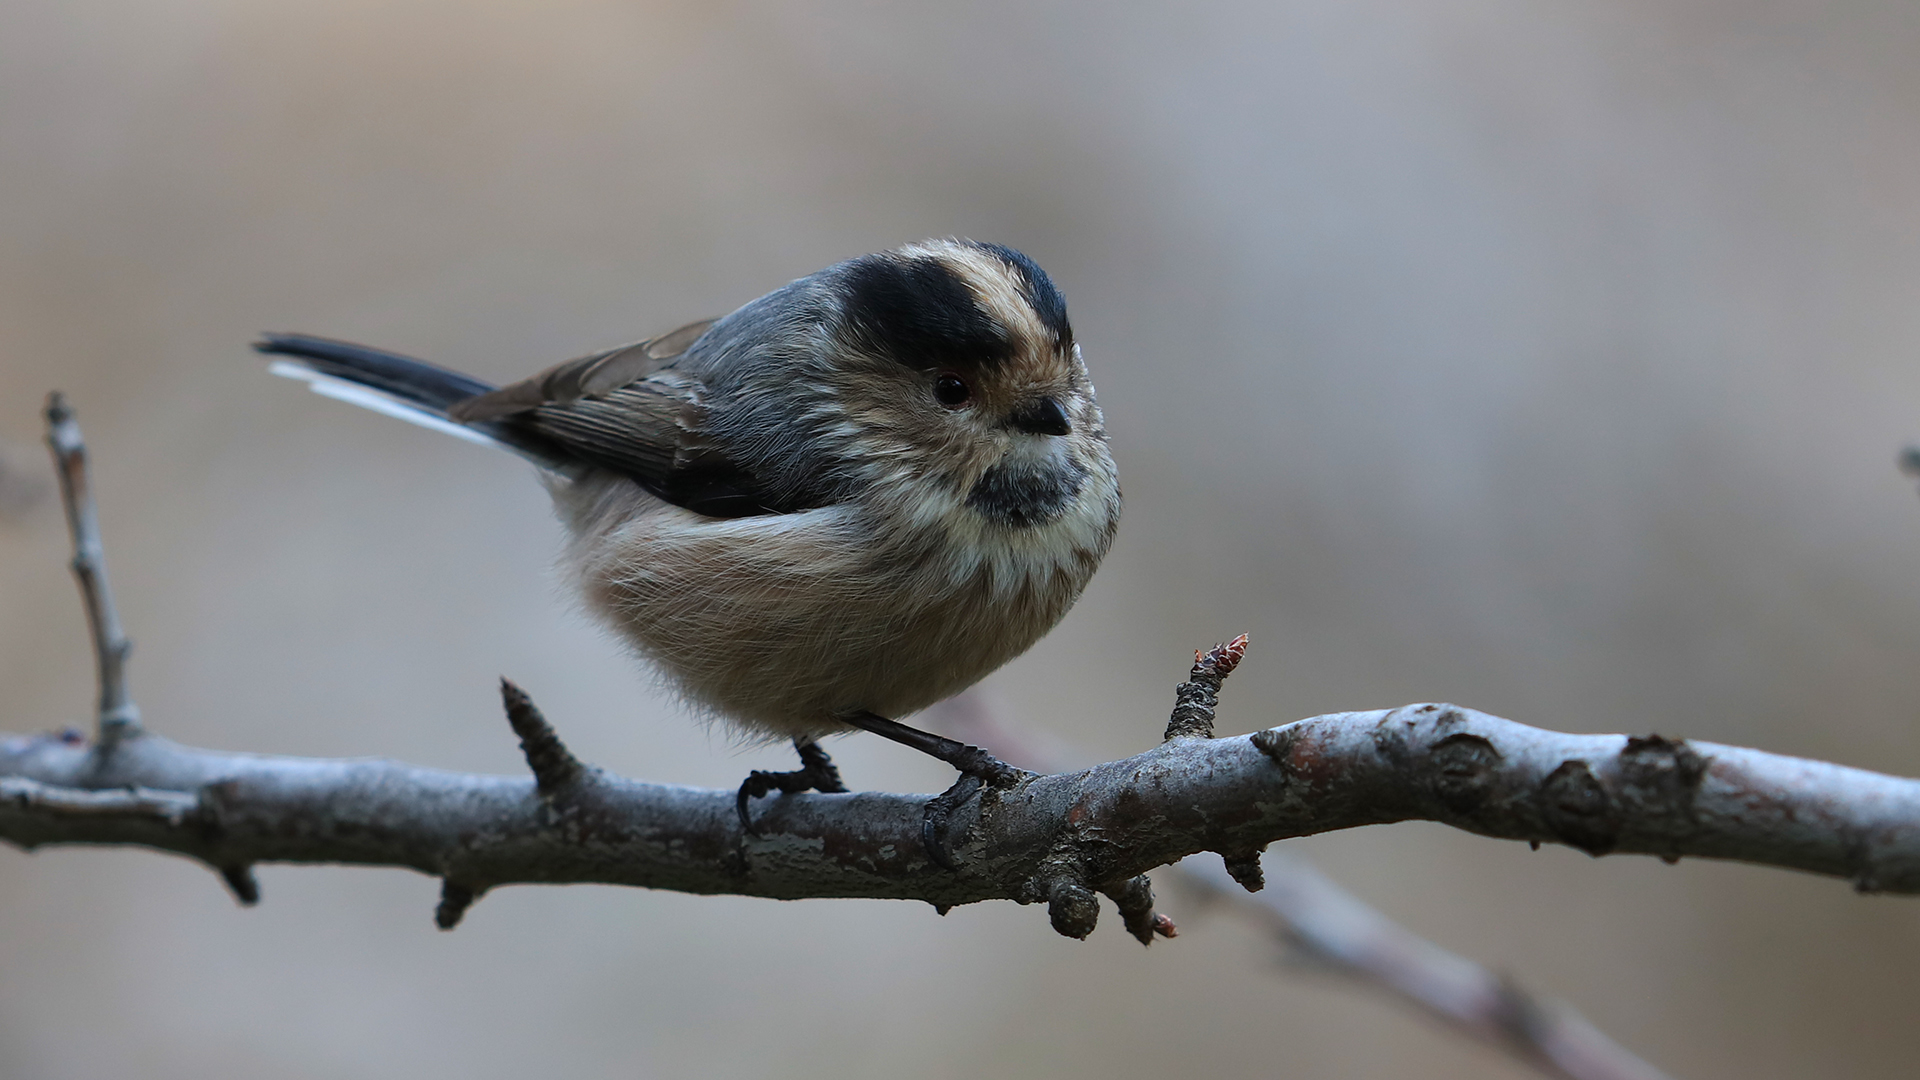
(1024,494)
(921,313)
(1039,292)
(720,488)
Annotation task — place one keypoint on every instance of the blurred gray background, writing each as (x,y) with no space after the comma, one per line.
(1546,358)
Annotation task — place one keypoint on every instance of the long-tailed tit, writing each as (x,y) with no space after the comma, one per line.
(849,499)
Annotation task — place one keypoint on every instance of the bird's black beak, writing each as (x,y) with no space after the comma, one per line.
(1042,416)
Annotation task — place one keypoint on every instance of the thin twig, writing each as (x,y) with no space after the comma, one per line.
(554,766)
(1194,701)
(119,717)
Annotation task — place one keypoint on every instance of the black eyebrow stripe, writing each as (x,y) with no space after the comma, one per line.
(922,313)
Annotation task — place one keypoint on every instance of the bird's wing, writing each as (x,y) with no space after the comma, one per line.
(631,411)
(592,376)
(653,431)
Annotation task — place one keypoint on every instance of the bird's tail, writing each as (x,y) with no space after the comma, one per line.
(400,386)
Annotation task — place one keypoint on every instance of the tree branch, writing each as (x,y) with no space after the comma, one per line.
(1093,828)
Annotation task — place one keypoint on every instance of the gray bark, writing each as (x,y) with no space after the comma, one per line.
(1095,827)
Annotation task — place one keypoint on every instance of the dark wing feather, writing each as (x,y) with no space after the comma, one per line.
(626,411)
(638,430)
(591,376)
(652,432)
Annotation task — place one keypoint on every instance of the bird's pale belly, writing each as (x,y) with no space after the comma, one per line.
(779,624)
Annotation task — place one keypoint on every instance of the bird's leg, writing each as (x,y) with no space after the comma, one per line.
(977,767)
(816,773)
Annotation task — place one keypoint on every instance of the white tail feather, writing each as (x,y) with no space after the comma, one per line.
(368,398)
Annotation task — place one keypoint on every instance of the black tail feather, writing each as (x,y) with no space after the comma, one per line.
(402,376)
(411,389)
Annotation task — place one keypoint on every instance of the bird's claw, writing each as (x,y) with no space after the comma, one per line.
(816,773)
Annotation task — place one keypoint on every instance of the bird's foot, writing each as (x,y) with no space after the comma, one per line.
(936,820)
(977,767)
(816,773)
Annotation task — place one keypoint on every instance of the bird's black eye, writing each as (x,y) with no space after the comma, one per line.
(951,390)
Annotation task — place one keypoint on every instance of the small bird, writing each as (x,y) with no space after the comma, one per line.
(851,498)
